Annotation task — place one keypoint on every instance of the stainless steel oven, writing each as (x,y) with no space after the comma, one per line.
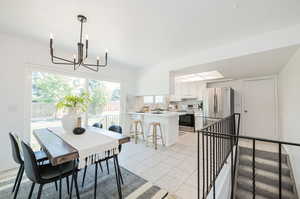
(187,122)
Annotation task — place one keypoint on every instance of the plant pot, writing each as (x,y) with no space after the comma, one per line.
(70,122)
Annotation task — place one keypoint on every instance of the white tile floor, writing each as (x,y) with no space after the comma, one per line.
(172,168)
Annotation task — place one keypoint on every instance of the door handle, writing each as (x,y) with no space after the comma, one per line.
(245,111)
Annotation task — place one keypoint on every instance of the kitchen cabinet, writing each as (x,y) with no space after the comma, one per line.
(188,90)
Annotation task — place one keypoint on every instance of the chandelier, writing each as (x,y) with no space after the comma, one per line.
(81,55)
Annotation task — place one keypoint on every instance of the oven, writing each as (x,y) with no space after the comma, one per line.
(187,122)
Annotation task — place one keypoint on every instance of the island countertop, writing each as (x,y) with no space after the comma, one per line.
(168,120)
(162,114)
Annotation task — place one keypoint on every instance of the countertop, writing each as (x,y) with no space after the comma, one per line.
(163,114)
(166,113)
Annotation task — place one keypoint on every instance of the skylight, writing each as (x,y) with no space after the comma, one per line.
(200,76)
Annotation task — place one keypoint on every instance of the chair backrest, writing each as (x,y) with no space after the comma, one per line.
(98,125)
(117,129)
(15,148)
(30,163)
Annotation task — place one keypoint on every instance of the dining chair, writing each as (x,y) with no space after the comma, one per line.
(44,174)
(40,157)
(98,125)
(117,129)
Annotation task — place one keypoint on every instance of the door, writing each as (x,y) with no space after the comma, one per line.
(260,108)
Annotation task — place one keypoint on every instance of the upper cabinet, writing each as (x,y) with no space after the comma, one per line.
(188,90)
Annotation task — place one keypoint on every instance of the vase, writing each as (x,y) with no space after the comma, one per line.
(70,122)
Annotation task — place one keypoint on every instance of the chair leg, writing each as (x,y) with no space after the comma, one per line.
(101,166)
(56,187)
(84,173)
(119,170)
(67,181)
(60,188)
(117,179)
(31,190)
(107,167)
(95,186)
(40,191)
(76,185)
(71,188)
(17,178)
(19,182)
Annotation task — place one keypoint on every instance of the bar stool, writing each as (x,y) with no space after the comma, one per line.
(154,134)
(135,133)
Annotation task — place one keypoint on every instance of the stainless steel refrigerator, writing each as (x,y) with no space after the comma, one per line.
(218,102)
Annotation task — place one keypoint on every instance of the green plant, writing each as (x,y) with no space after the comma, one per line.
(74,103)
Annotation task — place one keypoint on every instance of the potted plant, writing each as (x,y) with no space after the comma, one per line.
(74,106)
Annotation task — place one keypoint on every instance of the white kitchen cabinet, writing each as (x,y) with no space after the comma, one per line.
(188,90)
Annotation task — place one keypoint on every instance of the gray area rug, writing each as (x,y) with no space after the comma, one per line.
(134,186)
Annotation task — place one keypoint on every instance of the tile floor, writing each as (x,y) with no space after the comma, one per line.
(172,168)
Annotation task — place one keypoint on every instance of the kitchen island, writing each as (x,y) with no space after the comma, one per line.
(169,122)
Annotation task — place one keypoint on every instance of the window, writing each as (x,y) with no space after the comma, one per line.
(105,103)
(159,99)
(148,100)
(48,89)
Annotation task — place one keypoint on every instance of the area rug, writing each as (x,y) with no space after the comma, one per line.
(134,187)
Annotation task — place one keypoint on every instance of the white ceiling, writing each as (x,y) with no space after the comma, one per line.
(254,65)
(146,32)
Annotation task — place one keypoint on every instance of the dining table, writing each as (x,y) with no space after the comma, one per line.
(88,148)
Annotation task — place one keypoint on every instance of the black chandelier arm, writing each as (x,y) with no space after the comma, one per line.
(95,65)
(88,67)
(66,62)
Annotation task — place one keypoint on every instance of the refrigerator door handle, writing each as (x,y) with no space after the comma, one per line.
(215,104)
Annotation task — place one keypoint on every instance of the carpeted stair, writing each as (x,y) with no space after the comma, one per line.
(267,180)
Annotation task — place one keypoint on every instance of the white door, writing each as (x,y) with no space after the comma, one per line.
(260,108)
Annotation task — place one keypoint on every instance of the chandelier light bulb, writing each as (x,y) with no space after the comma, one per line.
(86,37)
(51,36)
(98,58)
(74,56)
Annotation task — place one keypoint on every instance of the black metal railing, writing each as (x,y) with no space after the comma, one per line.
(215,146)
(219,141)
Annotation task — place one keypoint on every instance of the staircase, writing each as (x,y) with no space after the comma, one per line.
(267,180)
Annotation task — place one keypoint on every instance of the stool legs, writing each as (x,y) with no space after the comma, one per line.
(135,133)
(161,135)
(154,135)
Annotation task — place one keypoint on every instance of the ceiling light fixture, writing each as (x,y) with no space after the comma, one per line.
(82,56)
(200,76)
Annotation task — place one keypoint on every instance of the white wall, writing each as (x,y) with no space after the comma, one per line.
(155,79)
(289,109)
(18,56)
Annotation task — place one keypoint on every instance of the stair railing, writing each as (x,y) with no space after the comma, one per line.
(216,146)
(217,143)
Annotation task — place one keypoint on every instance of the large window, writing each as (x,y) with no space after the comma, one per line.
(105,103)
(48,89)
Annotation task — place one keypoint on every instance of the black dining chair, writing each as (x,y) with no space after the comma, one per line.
(98,125)
(40,157)
(117,129)
(44,174)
